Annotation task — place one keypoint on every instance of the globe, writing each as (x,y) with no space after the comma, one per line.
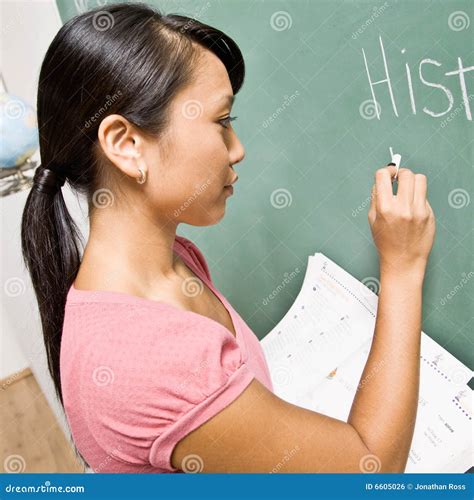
(18,131)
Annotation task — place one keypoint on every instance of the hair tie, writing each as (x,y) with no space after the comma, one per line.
(47,180)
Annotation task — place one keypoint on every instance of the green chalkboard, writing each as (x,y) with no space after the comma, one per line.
(314,139)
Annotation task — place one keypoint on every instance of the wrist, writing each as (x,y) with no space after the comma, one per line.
(413,273)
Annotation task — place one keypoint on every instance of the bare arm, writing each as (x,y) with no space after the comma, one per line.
(403,228)
(259,432)
(384,408)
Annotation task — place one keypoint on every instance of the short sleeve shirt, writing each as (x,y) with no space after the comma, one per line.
(138,375)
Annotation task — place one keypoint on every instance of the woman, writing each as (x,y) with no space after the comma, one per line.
(155,369)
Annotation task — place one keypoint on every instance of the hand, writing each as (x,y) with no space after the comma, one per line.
(402,226)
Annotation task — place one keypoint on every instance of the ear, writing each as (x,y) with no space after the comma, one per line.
(121,143)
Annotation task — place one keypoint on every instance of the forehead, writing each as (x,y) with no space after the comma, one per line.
(210,84)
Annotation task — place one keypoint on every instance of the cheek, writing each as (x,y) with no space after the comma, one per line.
(195,175)
(206,165)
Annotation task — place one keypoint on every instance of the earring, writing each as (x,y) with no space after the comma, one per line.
(142,178)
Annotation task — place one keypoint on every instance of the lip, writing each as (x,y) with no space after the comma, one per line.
(233,182)
(229,189)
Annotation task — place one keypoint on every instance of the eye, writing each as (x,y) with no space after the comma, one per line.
(227,120)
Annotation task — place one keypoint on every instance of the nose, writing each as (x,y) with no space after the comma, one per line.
(237,151)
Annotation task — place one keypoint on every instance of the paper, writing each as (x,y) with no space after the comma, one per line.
(317,353)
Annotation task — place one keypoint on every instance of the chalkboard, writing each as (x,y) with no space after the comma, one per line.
(314,138)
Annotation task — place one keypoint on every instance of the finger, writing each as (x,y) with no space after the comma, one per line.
(371,213)
(406,185)
(430,208)
(383,185)
(420,189)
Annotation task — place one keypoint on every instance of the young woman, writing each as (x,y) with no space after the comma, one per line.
(155,369)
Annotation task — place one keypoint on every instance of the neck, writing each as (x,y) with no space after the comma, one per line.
(129,250)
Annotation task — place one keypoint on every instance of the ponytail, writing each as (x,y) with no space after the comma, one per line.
(49,240)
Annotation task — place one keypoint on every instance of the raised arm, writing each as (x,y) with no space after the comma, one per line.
(259,432)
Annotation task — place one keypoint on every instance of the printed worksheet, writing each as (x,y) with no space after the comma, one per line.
(317,353)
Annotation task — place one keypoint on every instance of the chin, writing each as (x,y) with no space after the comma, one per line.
(206,218)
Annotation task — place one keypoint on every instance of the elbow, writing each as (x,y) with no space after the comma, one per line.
(375,460)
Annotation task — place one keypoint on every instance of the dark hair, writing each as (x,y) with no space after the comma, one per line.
(127,59)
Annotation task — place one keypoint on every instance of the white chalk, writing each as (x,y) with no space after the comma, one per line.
(396,158)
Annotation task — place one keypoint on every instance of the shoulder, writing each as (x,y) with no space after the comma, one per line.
(144,375)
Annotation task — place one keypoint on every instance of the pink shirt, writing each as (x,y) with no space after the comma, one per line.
(138,375)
